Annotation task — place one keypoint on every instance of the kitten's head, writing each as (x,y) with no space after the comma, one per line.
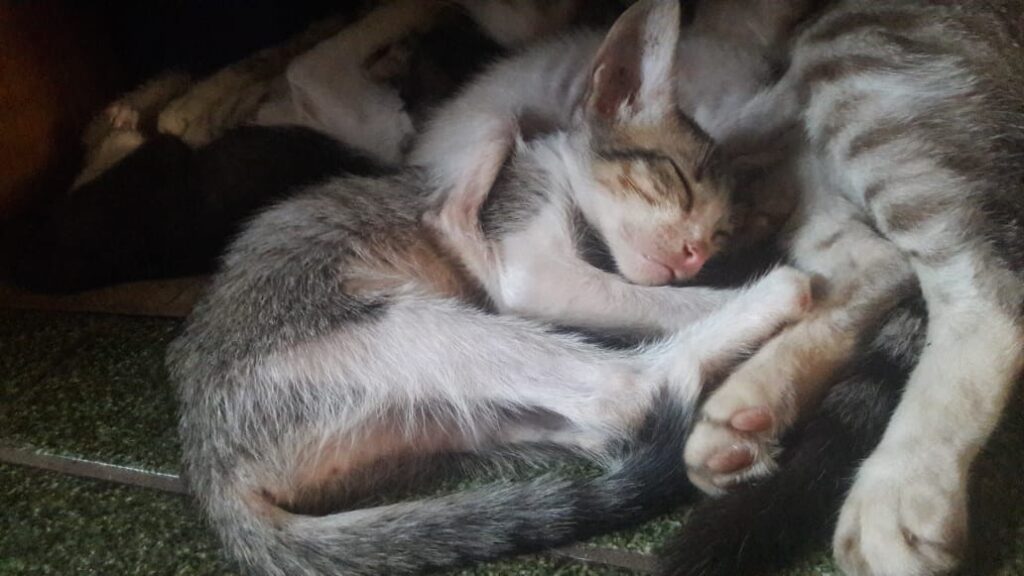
(653,184)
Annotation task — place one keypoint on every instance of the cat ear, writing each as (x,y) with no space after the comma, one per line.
(632,77)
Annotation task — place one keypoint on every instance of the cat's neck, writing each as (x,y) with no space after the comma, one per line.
(558,166)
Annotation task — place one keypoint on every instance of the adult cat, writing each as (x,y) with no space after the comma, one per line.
(343,335)
(911,172)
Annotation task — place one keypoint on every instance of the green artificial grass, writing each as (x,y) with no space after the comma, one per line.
(89,385)
(94,386)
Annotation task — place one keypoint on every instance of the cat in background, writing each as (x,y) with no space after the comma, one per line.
(343,334)
(366,83)
(909,164)
(170,174)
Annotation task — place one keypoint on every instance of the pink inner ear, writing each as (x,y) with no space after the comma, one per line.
(617,78)
(613,86)
(632,74)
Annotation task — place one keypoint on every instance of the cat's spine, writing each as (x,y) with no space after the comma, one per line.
(486,523)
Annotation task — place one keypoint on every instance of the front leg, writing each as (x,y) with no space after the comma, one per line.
(123,126)
(709,346)
(537,273)
(907,511)
(542,277)
(736,439)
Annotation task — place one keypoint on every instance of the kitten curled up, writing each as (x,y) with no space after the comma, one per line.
(347,331)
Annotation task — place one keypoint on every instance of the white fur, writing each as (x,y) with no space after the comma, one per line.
(328,88)
(542,276)
(545,81)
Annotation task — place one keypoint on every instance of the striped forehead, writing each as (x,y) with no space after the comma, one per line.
(653,177)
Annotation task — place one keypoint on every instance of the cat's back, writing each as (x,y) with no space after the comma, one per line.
(984,38)
(288,276)
(917,109)
(945,78)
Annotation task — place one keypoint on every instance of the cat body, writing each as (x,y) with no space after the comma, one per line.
(172,169)
(909,164)
(348,329)
(167,210)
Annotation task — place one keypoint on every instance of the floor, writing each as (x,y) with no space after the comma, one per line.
(92,387)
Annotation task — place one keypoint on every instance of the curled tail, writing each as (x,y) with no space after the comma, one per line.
(486,523)
(764,526)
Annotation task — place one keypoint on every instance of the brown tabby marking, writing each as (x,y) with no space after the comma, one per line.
(857,21)
(876,137)
(831,70)
(839,118)
(873,190)
(416,261)
(676,173)
(906,216)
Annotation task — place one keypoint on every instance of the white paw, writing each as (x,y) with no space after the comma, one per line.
(899,521)
(735,441)
(786,292)
(122,116)
(737,437)
(389,63)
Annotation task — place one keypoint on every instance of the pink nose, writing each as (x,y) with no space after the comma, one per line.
(688,261)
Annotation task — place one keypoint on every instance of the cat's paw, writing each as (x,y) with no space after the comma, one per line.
(784,293)
(390,63)
(902,517)
(122,116)
(735,441)
(736,438)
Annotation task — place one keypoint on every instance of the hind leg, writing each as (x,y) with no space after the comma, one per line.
(496,379)
(741,422)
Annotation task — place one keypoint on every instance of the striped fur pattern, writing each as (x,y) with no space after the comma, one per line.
(348,330)
(911,166)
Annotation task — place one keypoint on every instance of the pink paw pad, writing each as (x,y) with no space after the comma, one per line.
(732,460)
(752,420)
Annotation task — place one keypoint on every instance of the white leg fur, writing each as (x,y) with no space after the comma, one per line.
(515,24)
(541,276)
(907,511)
(330,90)
(495,365)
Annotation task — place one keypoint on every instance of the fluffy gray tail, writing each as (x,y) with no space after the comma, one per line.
(493,521)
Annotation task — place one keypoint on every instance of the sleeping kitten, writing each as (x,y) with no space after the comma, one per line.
(910,170)
(342,334)
(538,92)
